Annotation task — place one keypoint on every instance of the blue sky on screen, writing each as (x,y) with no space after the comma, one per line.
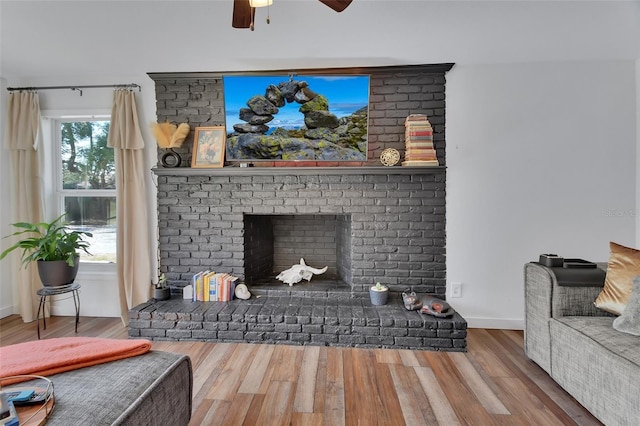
(346,94)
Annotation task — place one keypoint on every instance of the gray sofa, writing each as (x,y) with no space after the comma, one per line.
(576,344)
(146,390)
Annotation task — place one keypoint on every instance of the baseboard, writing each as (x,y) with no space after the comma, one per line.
(6,311)
(500,323)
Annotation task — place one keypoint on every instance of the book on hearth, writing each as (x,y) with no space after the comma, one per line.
(197,285)
(210,288)
(202,289)
(226,285)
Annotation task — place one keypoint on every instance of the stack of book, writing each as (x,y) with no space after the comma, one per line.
(209,286)
(418,139)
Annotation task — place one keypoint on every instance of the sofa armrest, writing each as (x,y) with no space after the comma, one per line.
(561,300)
(545,299)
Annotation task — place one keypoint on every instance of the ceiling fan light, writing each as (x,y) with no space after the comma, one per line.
(260,3)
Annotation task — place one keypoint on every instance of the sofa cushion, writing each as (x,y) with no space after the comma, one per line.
(623,265)
(598,366)
(629,321)
(600,330)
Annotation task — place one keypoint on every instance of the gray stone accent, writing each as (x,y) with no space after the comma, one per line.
(388,225)
(396,224)
(299,321)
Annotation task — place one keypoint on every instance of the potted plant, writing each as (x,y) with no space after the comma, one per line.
(379,294)
(54,246)
(161,290)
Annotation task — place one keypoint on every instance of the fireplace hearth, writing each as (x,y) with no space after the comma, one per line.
(309,318)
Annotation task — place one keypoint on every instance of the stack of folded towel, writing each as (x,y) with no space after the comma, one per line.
(418,137)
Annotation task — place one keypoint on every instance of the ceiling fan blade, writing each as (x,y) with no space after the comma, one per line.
(337,5)
(243,14)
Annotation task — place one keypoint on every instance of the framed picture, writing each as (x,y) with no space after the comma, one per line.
(208,147)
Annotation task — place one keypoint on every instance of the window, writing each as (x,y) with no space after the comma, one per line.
(86,183)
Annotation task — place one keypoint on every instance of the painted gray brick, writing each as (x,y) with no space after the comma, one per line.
(394,94)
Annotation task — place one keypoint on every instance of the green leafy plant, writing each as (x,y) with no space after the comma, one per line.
(379,287)
(162,282)
(48,241)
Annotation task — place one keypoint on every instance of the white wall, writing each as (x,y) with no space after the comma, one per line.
(6,293)
(541,159)
(637,211)
(99,294)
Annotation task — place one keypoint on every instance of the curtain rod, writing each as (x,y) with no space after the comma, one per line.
(78,88)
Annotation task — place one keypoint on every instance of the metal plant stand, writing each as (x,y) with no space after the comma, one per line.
(47,291)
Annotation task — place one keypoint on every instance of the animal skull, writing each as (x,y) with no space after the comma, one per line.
(296,273)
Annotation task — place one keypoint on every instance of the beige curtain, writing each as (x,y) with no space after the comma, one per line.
(134,272)
(25,146)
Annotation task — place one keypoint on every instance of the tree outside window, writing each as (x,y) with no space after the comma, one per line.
(88,184)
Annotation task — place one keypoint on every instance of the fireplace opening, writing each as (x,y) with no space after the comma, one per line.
(273,243)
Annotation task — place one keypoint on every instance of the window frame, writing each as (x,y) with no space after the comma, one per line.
(57,176)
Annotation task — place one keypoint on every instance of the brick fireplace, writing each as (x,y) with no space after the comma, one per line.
(365,222)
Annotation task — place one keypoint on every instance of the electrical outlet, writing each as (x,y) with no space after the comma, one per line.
(456,290)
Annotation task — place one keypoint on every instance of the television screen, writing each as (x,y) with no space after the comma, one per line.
(301,117)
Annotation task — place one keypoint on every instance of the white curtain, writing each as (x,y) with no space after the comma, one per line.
(24,142)
(134,271)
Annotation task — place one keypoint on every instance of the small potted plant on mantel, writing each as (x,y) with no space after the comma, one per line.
(54,246)
(161,290)
(379,294)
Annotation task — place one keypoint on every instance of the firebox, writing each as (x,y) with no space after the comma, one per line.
(273,243)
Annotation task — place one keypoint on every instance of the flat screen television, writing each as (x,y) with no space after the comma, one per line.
(296,117)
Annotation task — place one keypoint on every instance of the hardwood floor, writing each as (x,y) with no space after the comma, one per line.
(252,384)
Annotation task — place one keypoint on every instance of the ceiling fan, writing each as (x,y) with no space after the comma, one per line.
(244,13)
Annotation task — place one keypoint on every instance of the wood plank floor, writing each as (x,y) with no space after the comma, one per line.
(252,384)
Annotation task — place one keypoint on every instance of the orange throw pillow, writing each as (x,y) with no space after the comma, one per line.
(623,266)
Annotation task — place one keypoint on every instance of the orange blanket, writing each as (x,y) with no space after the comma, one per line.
(52,356)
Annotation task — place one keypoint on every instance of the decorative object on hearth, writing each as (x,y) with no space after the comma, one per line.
(244,11)
(435,306)
(161,290)
(187,292)
(297,273)
(379,294)
(410,300)
(208,147)
(418,137)
(54,246)
(171,159)
(389,157)
(242,292)
(170,136)
(427,304)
